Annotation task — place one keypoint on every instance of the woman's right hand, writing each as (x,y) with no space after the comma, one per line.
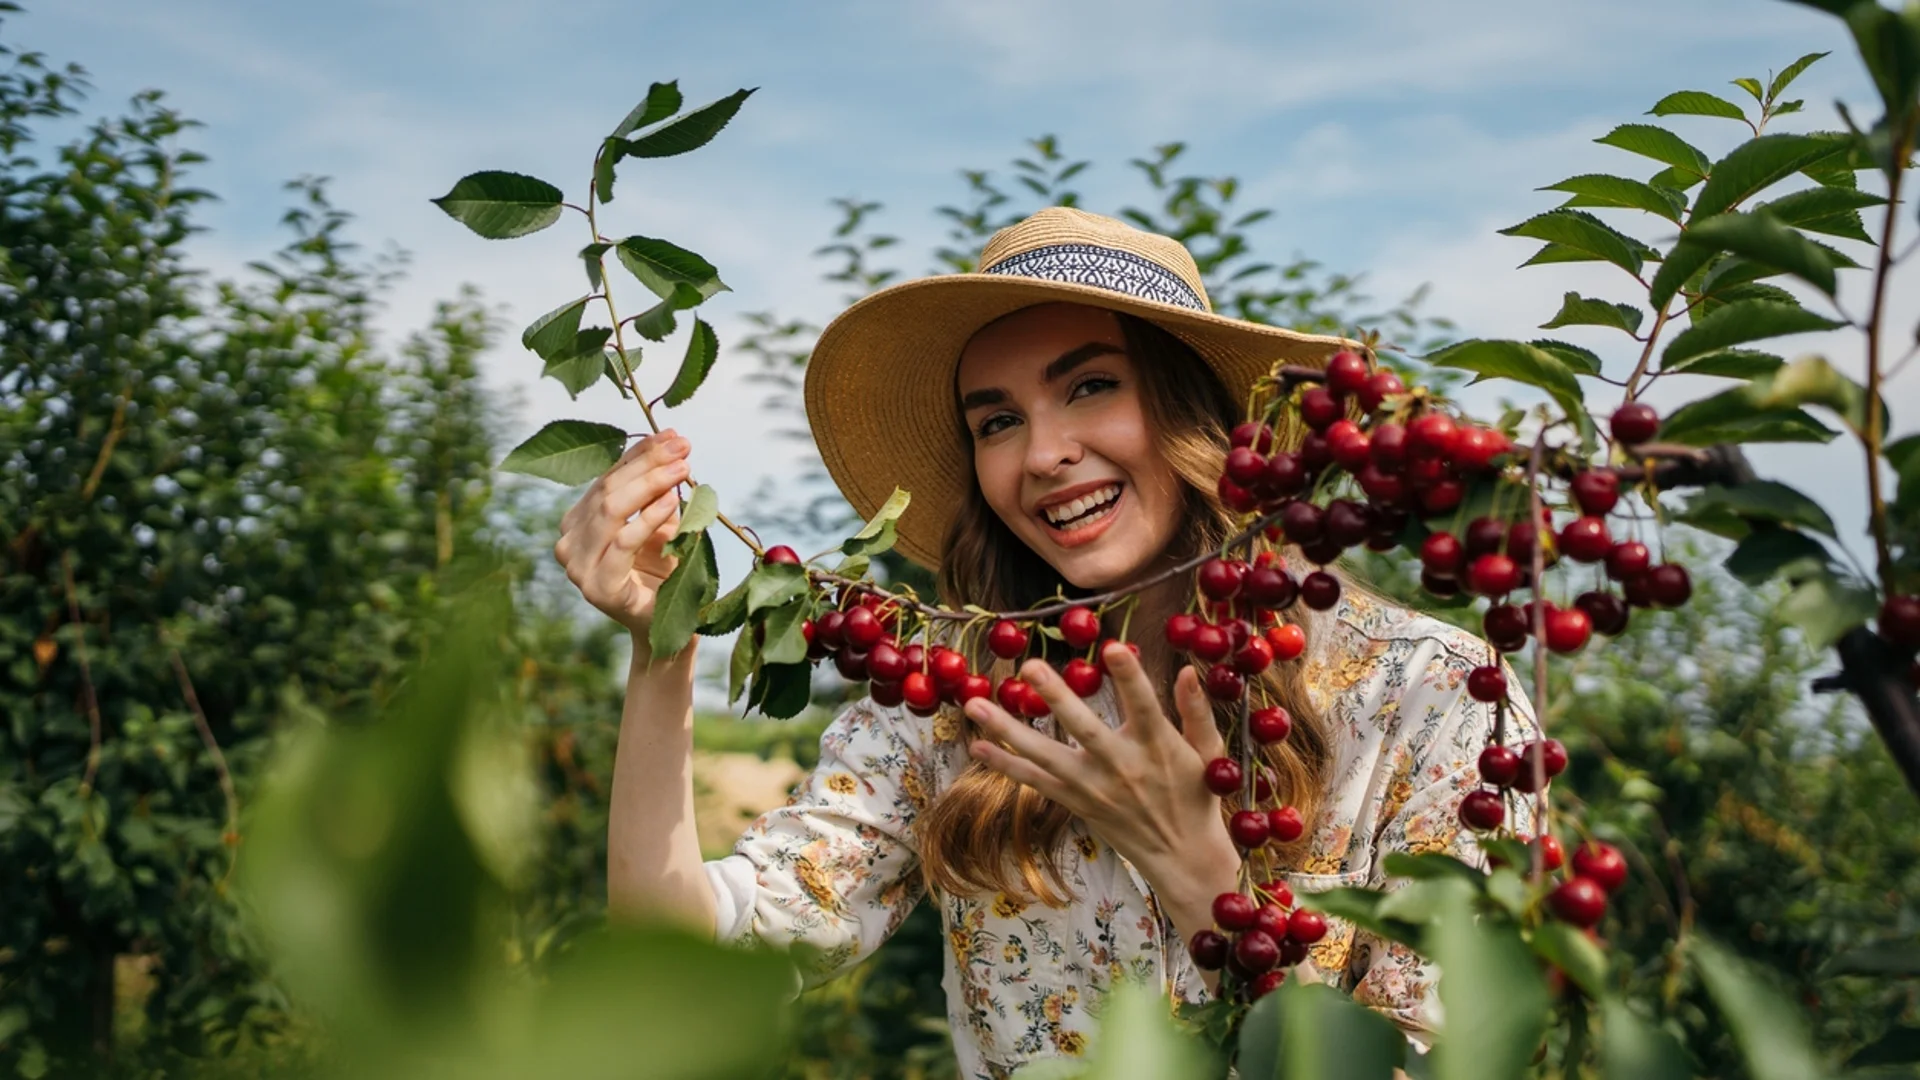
(617,559)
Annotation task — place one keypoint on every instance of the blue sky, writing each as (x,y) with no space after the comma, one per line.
(1392,136)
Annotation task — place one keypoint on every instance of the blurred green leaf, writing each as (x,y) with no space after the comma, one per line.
(1729,416)
(1831,210)
(1811,380)
(1578,360)
(1765,554)
(1764,240)
(1596,189)
(662,101)
(1756,165)
(1577,310)
(1430,866)
(690,131)
(1675,271)
(1899,958)
(1632,1049)
(676,608)
(702,349)
(1735,324)
(502,205)
(1696,103)
(773,584)
(1582,232)
(1771,1033)
(1568,948)
(1899,1046)
(1767,499)
(1311,1031)
(568,451)
(1730,364)
(1492,990)
(1659,144)
(1889,42)
(1824,607)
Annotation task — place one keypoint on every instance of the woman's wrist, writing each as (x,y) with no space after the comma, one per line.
(1190,886)
(644,662)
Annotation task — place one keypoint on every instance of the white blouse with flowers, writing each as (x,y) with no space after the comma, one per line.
(833,873)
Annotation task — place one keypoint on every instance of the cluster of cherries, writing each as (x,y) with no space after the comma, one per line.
(1256,937)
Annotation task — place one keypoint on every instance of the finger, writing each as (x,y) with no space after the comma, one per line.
(1139,705)
(632,536)
(1196,715)
(1053,757)
(650,452)
(625,496)
(1014,767)
(1072,713)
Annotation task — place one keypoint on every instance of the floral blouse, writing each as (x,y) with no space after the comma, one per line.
(833,873)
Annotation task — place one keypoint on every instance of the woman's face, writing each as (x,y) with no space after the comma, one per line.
(1061,445)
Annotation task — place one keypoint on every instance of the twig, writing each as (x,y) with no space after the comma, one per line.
(114,431)
(232,836)
(1871,439)
(88,697)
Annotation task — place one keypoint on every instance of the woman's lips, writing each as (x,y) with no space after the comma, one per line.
(1086,534)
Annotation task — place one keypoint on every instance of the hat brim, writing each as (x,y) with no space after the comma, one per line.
(880,395)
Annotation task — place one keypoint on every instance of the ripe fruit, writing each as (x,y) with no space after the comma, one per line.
(1585,539)
(1505,627)
(1303,522)
(862,629)
(1006,639)
(1245,467)
(1101,654)
(948,666)
(1238,499)
(1220,578)
(1225,684)
(1628,558)
(1522,538)
(1306,927)
(1607,611)
(1286,475)
(974,686)
(1180,630)
(1499,765)
(1482,810)
(1347,373)
(1388,445)
(1443,496)
(1269,725)
(1270,920)
(886,663)
(1600,863)
(1484,536)
(831,629)
(850,663)
(920,693)
(1223,776)
(1669,584)
(1567,629)
(1285,825)
(781,553)
(1350,446)
(1210,642)
(1278,892)
(1266,983)
(1234,911)
(1269,587)
(1487,683)
(1441,554)
(1549,755)
(888,694)
(1256,951)
(1439,586)
(1579,901)
(1899,621)
(1288,641)
(1552,855)
(1011,694)
(1596,490)
(1431,435)
(1637,591)
(1253,657)
(1474,448)
(1292,952)
(1079,627)
(1320,590)
(1081,677)
(1209,949)
(1382,385)
(1634,423)
(1319,408)
(1346,522)
(1315,454)
(1493,575)
(1256,436)
(1248,828)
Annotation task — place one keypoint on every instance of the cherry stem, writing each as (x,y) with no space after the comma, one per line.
(1539,654)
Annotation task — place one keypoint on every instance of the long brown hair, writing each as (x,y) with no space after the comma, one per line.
(989,833)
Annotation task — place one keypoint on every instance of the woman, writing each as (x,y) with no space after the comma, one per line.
(1061,418)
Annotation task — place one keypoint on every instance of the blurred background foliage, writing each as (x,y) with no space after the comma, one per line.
(234,520)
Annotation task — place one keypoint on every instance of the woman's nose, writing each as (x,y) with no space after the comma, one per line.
(1050,447)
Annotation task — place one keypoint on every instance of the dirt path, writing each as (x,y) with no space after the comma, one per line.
(730,790)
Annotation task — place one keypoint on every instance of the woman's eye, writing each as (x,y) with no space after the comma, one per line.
(992,425)
(1097,382)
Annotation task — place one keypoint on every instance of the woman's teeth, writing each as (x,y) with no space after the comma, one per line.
(1084,510)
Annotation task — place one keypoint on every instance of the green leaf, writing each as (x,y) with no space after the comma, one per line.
(786,639)
(1729,416)
(1895,957)
(1659,144)
(1730,363)
(1429,867)
(1771,1033)
(662,267)
(1582,232)
(609,156)
(1597,189)
(1834,211)
(620,368)
(1904,456)
(1578,360)
(1769,553)
(726,614)
(663,100)
(502,205)
(1756,165)
(1899,1046)
(1889,42)
(1361,907)
(1577,310)
(1734,324)
(590,259)
(568,451)
(689,132)
(676,608)
(1573,952)
(553,334)
(581,370)
(1722,295)
(1764,240)
(1311,1031)
(1810,380)
(702,348)
(1492,991)
(742,663)
(1824,608)
(1791,72)
(773,584)
(1492,359)
(782,690)
(1696,103)
(1633,1049)
(1675,179)
(878,534)
(1768,500)
(700,511)
(1751,86)
(1675,271)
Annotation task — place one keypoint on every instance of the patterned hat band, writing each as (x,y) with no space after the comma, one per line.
(1102,267)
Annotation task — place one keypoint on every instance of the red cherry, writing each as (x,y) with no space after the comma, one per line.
(1443,496)
(1487,683)
(1181,628)
(1634,423)
(1323,551)
(886,693)
(1269,586)
(1493,575)
(862,629)
(1292,952)
(1384,488)
(1474,448)
(1248,828)
(1303,521)
(1498,766)
(1568,629)
(1234,911)
(1211,642)
(1288,641)
(1432,435)
(1284,825)
(1347,373)
(1552,855)
(1439,586)
(1352,450)
(1225,684)
(1899,621)
(1101,653)
(1209,950)
(851,663)
(1319,408)
(781,553)
(948,665)
(1441,554)
(1315,453)
(1263,784)
(1600,863)
(1278,892)
(1669,585)
(916,655)
(1551,757)
(1253,657)
(1220,578)
(1579,901)
(1269,725)
(1607,612)
(1585,539)
(1269,919)
(1320,590)
(1079,627)
(1637,591)
(1255,952)
(1238,499)
(831,629)
(1266,983)
(1505,626)
(1306,927)
(1223,776)
(974,686)
(920,693)
(1346,522)
(1484,536)
(1081,677)
(1254,435)
(1522,538)
(1011,694)
(1596,490)
(1245,467)
(886,663)
(1381,386)
(1006,639)
(1628,558)
(1286,475)
(1424,472)
(1482,810)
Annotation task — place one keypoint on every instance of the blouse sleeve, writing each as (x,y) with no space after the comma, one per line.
(1444,731)
(833,873)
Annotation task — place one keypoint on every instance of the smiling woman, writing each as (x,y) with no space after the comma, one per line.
(1061,417)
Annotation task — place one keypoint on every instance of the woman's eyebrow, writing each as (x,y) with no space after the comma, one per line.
(1069,360)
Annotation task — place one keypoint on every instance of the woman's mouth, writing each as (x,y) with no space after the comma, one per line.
(1070,522)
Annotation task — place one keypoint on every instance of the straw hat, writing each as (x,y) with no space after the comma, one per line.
(880,386)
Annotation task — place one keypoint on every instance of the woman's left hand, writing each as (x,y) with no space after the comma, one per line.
(1138,787)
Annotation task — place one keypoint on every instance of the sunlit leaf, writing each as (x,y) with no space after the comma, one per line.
(502,205)
(1583,232)
(702,348)
(662,101)
(1764,240)
(1824,607)
(773,584)
(1791,72)
(1756,165)
(786,641)
(1659,144)
(1491,989)
(1752,86)
(676,607)
(1811,380)
(568,451)
(582,365)
(690,131)
(663,266)
(1519,362)
(1596,189)
(1736,324)
(553,334)
(1729,363)
(1568,948)
(700,511)
(1696,103)
(1577,310)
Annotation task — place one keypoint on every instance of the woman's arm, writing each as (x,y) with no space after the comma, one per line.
(653,851)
